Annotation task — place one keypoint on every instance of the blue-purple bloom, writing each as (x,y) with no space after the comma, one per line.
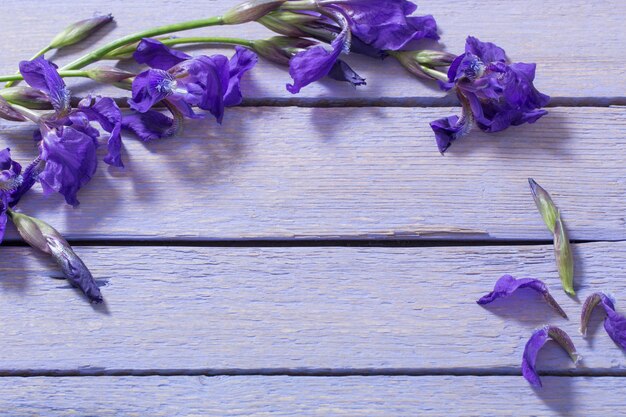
(507,285)
(67,140)
(534,345)
(10,180)
(375,25)
(614,323)
(494,94)
(182,82)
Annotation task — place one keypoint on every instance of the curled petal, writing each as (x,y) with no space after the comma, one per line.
(42,74)
(343,72)
(149,88)
(105,111)
(507,285)
(534,345)
(3,222)
(209,78)
(614,323)
(243,61)
(486,51)
(150,125)
(157,55)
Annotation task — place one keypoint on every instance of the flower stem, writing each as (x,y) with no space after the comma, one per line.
(161,30)
(62,73)
(213,40)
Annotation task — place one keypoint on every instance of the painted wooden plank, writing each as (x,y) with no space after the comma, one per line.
(340,308)
(285,173)
(539,31)
(310,396)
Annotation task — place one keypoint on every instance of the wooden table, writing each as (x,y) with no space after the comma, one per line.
(315,255)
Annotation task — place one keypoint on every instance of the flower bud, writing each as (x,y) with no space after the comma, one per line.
(47,239)
(564,258)
(78,31)
(28,97)
(422,63)
(288,23)
(127,51)
(250,11)
(108,74)
(280,49)
(545,205)
(9,113)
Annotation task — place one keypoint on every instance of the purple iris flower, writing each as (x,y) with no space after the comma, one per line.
(534,345)
(10,180)
(182,82)
(67,140)
(494,94)
(614,323)
(507,285)
(375,25)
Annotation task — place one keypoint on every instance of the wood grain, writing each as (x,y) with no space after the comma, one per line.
(302,396)
(572,63)
(307,309)
(291,173)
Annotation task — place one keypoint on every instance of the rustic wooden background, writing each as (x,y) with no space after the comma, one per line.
(315,255)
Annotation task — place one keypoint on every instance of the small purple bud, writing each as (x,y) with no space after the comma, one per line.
(78,31)
(47,239)
(9,113)
(108,74)
(127,51)
(28,97)
(250,11)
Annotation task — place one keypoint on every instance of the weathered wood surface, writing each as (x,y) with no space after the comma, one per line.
(310,396)
(572,63)
(288,173)
(299,308)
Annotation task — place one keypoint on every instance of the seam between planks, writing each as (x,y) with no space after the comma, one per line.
(310,372)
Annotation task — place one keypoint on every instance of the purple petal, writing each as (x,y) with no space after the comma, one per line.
(486,51)
(534,345)
(313,64)
(157,55)
(105,111)
(42,74)
(208,82)
(384,24)
(614,323)
(149,88)
(343,72)
(150,125)
(70,155)
(507,285)
(243,61)
(3,222)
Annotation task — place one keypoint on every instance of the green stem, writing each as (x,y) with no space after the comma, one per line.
(214,40)
(434,73)
(62,73)
(37,55)
(161,30)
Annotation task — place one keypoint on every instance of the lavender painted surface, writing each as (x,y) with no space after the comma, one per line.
(178,314)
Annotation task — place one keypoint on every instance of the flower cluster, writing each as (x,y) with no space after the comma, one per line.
(314,37)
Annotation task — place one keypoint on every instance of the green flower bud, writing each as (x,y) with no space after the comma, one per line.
(9,113)
(280,49)
(28,97)
(78,31)
(545,205)
(287,23)
(250,11)
(564,258)
(47,239)
(423,63)
(108,75)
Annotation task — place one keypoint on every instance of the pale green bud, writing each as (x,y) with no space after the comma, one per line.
(78,31)
(564,257)
(28,97)
(108,75)
(250,11)
(545,205)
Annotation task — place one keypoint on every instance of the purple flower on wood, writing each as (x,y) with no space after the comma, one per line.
(614,323)
(494,94)
(182,82)
(534,345)
(507,285)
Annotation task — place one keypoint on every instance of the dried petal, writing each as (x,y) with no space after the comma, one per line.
(545,205)
(507,285)
(564,257)
(534,345)
(614,323)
